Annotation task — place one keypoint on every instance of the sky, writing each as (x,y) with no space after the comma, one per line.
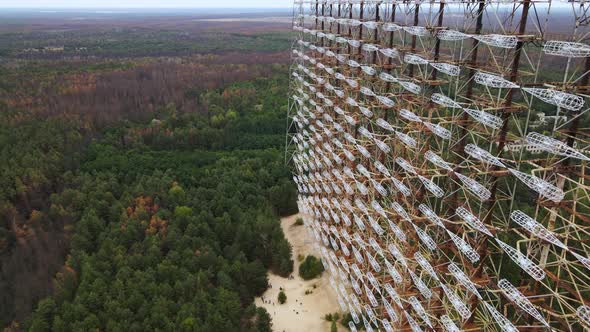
(146,4)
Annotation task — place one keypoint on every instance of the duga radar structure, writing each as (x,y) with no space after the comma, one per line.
(440,150)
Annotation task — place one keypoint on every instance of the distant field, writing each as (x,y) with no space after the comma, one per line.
(276,19)
(52,35)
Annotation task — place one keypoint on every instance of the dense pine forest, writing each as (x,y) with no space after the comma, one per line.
(141,187)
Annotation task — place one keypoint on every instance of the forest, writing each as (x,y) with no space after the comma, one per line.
(142,190)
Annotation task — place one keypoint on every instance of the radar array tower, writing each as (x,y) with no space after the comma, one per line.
(440,150)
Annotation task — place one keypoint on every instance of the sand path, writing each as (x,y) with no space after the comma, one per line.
(301,312)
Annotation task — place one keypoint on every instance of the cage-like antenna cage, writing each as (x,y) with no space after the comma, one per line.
(440,152)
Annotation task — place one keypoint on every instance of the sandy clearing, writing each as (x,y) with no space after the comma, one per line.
(301,312)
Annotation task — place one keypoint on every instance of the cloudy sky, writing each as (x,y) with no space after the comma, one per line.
(145,3)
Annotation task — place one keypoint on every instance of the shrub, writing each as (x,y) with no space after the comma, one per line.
(310,268)
(346,318)
(282,297)
(298,222)
(332,317)
(333,328)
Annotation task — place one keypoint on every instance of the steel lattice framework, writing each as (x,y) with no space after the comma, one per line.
(440,150)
